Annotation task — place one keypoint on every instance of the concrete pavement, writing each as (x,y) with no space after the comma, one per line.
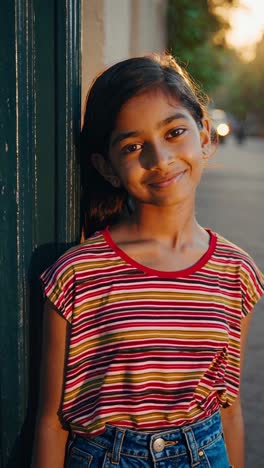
(231,201)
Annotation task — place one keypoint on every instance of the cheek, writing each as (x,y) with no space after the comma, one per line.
(196,154)
(118,166)
(124,172)
(130,168)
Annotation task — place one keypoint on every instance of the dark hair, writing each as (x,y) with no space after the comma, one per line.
(103,204)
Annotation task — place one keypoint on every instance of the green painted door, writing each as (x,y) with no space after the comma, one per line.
(39,192)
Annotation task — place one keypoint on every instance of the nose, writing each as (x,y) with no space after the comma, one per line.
(157,157)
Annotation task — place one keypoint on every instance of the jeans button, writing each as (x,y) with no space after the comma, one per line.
(158,445)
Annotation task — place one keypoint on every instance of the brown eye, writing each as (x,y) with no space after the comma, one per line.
(131,148)
(175,132)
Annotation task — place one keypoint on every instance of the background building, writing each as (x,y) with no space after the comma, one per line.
(116,29)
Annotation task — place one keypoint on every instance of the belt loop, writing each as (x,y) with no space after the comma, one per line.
(119,436)
(192,446)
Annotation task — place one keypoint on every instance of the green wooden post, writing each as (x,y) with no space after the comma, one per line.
(39,196)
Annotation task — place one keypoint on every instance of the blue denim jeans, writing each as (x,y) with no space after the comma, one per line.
(197,445)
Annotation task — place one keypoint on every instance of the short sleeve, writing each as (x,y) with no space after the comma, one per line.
(252,285)
(58,286)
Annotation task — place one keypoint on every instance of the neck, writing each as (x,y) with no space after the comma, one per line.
(171,225)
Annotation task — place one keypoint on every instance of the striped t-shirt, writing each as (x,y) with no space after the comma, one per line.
(148,349)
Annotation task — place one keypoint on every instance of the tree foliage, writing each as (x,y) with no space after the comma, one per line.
(196,37)
(241,93)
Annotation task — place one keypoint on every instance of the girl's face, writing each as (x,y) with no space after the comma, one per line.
(156,150)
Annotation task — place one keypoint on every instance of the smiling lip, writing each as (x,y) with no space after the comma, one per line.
(164,182)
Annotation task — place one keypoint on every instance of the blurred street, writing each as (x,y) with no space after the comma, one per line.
(231,202)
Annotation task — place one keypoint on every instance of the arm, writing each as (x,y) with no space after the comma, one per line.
(50,437)
(233,427)
(232,418)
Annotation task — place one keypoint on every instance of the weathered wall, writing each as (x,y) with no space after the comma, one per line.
(116,29)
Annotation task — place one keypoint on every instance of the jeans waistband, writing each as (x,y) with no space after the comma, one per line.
(188,438)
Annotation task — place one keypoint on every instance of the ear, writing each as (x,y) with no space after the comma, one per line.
(105,169)
(209,144)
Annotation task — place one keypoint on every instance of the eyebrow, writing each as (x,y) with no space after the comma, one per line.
(124,135)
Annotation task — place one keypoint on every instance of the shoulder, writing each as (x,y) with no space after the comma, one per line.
(93,244)
(239,265)
(77,257)
(231,251)
(76,264)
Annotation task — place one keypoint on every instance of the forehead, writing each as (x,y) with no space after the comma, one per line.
(151,106)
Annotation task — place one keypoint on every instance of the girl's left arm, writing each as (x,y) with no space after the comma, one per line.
(232,417)
(233,427)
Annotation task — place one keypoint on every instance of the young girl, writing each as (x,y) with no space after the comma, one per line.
(146,320)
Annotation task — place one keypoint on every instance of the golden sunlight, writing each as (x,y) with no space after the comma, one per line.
(247,27)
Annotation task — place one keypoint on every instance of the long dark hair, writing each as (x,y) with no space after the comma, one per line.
(102,204)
